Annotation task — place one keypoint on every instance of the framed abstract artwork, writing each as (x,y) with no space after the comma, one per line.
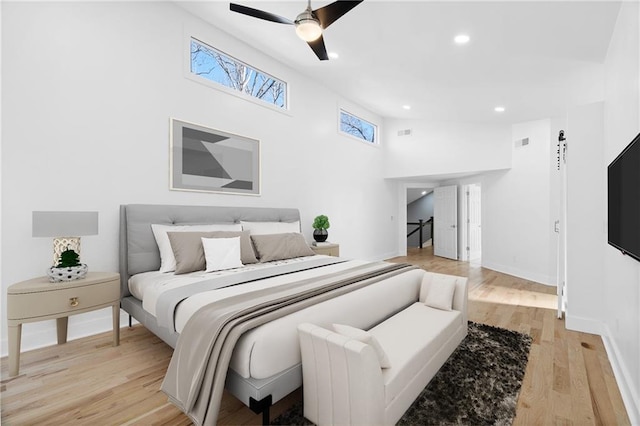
(209,160)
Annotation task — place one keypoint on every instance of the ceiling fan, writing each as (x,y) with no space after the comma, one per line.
(309,24)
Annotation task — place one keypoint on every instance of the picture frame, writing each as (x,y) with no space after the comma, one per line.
(203,159)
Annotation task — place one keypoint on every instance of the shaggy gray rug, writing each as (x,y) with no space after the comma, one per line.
(478,385)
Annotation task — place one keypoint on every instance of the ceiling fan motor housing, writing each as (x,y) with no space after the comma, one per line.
(308,26)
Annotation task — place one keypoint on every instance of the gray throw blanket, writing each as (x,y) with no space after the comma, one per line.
(195,378)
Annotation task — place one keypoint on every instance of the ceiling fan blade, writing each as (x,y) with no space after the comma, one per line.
(259,14)
(331,12)
(318,48)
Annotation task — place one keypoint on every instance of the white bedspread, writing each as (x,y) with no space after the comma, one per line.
(273,347)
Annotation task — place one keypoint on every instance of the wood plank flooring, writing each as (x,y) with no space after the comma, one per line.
(568,380)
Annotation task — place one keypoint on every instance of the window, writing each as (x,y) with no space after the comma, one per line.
(357,127)
(213,65)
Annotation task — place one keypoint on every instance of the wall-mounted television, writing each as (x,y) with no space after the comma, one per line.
(623,186)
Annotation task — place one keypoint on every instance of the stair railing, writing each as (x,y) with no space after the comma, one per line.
(421,224)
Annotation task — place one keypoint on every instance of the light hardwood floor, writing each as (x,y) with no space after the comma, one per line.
(568,380)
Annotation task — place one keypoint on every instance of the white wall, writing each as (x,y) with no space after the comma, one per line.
(585,219)
(435,148)
(88,89)
(621,283)
(517,225)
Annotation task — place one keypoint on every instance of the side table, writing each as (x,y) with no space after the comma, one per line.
(38,299)
(329,249)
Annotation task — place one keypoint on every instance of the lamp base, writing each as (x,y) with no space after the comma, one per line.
(61,244)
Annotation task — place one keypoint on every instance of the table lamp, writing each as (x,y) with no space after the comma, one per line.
(65,228)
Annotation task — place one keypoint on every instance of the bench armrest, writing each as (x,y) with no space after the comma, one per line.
(341,377)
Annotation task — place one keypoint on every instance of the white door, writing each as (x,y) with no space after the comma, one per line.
(445,222)
(474,216)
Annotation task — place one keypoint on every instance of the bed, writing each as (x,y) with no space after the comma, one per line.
(265,363)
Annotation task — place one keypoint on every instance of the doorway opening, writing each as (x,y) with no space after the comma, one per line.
(419,217)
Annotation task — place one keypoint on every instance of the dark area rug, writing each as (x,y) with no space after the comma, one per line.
(478,385)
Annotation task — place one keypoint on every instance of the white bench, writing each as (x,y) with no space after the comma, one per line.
(343,382)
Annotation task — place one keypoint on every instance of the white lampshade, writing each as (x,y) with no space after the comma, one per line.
(66,229)
(64,224)
(308,29)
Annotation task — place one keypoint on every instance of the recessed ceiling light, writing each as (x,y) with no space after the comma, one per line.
(499,109)
(462,39)
(406,106)
(333,55)
(424,192)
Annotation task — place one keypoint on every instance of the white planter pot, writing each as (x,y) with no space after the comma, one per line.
(71,273)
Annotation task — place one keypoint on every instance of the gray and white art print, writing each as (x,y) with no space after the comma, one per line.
(208,160)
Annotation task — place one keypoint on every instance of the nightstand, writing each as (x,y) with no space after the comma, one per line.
(329,249)
(38,300)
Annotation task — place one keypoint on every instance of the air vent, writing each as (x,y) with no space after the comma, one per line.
(522,142)
(405,132)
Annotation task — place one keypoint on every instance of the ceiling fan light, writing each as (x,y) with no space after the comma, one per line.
(307,26)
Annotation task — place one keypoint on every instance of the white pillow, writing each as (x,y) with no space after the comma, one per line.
(262,228)
(440,292)
(221,253)
(366,338)
(167,258)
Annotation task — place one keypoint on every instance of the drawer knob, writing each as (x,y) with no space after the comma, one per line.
(74,302)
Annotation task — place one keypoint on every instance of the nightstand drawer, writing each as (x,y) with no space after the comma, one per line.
(65,300)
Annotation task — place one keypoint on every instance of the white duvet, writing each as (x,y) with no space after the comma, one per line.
(273,347)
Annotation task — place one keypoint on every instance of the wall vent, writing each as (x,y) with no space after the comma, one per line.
(522,142)
(405,132)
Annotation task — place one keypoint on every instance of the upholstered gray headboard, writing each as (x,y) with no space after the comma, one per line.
(138,249)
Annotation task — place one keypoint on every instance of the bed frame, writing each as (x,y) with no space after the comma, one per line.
(139,253)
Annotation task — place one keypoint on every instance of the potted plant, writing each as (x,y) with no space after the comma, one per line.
(68,268)
(320,226)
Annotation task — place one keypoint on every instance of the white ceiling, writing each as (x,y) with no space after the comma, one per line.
(534,58)
(415,193)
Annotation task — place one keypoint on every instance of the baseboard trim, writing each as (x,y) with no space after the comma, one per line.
(583,325)
(630,394)
(46,334)
(527,275)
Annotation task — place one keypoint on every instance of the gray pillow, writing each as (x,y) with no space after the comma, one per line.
(189,254)
(281,246)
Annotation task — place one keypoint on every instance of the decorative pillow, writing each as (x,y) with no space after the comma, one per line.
(189,253)
(261,228)
(281,246)
(366,338)
(221,253)
(167,259)
(247,253)
(439,290)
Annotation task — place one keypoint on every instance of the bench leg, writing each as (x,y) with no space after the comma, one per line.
(261,406)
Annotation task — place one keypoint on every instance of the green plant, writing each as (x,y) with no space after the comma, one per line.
(68,258)
(321,222)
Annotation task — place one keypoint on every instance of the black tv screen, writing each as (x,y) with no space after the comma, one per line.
(623,185)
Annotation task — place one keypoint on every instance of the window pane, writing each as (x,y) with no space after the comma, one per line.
(357,127)
(215,66)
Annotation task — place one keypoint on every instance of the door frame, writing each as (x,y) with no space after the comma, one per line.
(463,213)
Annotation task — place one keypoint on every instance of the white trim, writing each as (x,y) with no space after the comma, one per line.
(630,395)
(376,136)
(581,324)
(527,275)
(45,334)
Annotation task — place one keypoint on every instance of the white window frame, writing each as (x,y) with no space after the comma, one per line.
(376,136)
(221,87)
